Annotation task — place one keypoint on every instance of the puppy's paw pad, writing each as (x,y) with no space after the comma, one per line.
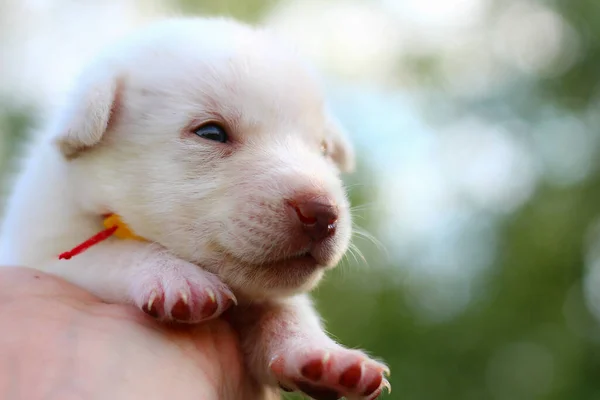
(351,376)
(313,370)
(197,301)
(374,384)
(318,392)
(330,374)
(181,310)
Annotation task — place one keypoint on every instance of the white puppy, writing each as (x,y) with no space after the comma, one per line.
(213,143)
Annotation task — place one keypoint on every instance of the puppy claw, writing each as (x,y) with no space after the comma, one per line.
(228,304)
(210,308)
(231,298)
(184,298)
(326,357)
(386,369)
(151,300)
(387,386)
(150,308)
(211,295)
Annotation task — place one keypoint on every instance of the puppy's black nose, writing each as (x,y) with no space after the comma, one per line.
(318,216)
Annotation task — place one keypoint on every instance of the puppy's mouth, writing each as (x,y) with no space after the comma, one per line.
(304,260)
(301,260)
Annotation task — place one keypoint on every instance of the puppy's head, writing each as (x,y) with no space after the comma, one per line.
(213,140)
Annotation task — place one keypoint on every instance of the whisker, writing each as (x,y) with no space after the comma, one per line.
(352,253)
(357,216)
(343,265)
(364,206)
(363,233)
(353,185)
(360,254)
(345,261)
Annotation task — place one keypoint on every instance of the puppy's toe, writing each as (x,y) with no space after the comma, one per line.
(330,374)
(182,292)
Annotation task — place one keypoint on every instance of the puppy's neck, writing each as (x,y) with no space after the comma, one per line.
(114,227)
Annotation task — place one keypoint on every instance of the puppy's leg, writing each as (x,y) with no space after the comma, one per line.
(148,276)
(285,345)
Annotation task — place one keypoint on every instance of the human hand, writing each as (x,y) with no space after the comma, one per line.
(59,342)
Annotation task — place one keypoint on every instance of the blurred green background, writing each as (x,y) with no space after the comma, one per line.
(477,124)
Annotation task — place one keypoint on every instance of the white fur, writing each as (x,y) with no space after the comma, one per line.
(125,145)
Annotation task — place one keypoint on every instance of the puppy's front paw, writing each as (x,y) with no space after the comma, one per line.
(329,374)
(176,290)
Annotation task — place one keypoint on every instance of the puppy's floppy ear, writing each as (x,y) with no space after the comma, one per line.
(342,152)
(90,111)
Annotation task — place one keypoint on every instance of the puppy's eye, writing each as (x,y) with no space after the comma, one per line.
(212,132)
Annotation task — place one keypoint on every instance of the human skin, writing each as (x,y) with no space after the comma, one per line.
(60,342)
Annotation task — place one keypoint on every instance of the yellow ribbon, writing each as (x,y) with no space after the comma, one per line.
(123,231)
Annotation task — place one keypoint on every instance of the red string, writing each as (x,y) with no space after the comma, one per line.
(99,237)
